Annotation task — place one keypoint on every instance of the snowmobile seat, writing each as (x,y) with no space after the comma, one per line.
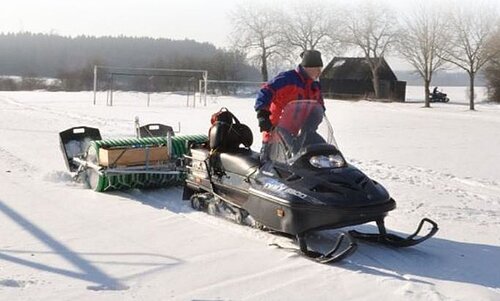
(243,162)
(225,137)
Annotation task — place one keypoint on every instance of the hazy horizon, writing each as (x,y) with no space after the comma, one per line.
(199,20)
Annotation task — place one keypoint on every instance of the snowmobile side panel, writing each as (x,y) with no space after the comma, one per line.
(288,217)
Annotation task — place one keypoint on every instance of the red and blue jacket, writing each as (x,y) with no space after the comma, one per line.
(286,87)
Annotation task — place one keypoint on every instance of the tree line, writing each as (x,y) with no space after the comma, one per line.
(431,37)
(70,60)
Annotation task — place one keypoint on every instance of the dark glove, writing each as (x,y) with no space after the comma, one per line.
(265,124)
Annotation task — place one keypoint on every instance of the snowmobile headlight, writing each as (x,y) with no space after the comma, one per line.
(331,161)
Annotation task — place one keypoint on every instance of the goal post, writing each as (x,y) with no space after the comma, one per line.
(147,80)
(229,87)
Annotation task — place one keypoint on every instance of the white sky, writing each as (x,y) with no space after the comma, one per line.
(200,20)
(204,21)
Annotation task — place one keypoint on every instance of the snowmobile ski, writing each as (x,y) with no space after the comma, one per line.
(394,240)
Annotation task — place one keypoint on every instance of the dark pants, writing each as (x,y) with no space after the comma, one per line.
(264,153)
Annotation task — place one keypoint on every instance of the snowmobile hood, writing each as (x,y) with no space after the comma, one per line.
(346,187)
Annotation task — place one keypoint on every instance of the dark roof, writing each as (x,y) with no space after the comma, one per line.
(355,68)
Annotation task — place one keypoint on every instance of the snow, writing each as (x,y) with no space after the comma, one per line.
(457,95)
(61,241)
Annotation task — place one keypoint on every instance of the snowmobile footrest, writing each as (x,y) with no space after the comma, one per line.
(339,251)
(395,240)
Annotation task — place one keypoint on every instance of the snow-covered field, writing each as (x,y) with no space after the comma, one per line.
(60,241)
(457,95)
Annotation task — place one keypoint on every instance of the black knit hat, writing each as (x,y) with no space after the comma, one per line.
(311,58)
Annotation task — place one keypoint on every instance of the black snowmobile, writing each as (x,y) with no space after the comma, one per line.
(304,185)
(438,96)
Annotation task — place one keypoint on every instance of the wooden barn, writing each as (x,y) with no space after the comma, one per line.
(351,78)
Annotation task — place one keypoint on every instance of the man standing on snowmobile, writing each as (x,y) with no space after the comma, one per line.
(296,84)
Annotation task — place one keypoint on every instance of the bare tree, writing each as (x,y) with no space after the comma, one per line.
(472,27)
(371,29)
(492,71)
(423,41)
(312,25)
(256,32)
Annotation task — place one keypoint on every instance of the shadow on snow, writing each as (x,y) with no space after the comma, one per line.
(87,271)
(436,258)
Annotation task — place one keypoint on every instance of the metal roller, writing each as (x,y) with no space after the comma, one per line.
(81,149)
(108,179)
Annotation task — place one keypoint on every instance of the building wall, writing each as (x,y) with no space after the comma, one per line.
(360,89)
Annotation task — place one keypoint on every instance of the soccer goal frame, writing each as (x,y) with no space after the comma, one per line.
(203,84)
(189,74)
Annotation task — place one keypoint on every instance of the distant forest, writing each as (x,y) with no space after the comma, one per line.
(71,59)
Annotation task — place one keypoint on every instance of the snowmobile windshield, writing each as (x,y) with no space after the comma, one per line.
(302,124)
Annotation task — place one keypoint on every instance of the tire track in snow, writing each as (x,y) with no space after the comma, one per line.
(476,200)
(237,281)
(12,163)
(78,118)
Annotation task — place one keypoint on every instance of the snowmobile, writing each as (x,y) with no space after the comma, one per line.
(303,185)
(439,97)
